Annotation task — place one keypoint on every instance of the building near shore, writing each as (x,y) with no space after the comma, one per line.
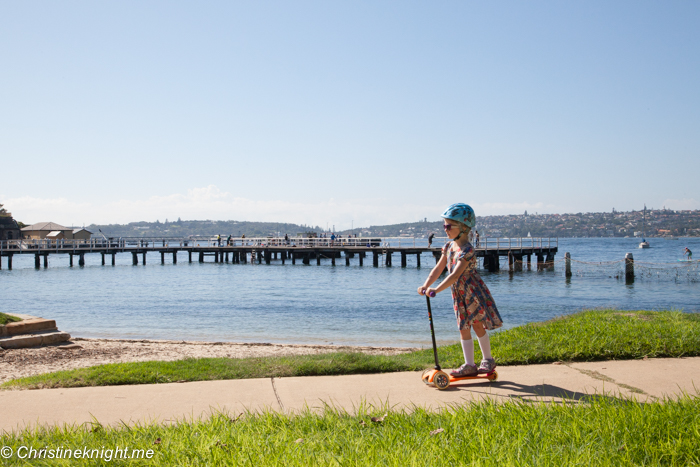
(53,231)
(9,230)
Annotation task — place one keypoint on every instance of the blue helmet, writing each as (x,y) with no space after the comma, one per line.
(460,212)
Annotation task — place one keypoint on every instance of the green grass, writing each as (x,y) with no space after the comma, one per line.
(601,431)
(585,336)
(5,319)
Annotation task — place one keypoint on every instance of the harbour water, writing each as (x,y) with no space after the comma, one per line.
(353,305)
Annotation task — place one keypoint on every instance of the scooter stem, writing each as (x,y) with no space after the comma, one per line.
(432,333)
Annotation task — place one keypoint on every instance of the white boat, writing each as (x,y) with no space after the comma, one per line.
(644,243)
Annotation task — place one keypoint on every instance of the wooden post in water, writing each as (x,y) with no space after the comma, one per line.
(268,256)
(518,262)
(529,265)
(347,258)
(37,261)
(189,255)
(201,256)
(294,258)
(244,256)
(387,258)
(175,257)
(540,261)
(511,260)
(417,259)
(333,258)
(283,256)
(567,262)
(81,259)
(361,257)
(144,258)
(226,259)
(318,257)
(114,258)
(629,268)
(403,259)
(375,260)
(134,258)
(46,260)
(306,258)
(9,262)
(162,257)
(103,258)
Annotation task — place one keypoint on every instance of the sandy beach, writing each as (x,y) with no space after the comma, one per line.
(81,353)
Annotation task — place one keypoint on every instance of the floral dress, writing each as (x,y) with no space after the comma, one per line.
(472,299)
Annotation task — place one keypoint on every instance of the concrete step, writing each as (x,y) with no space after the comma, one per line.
(36,339)
(28,326)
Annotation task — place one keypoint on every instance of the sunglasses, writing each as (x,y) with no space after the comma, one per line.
(448,227)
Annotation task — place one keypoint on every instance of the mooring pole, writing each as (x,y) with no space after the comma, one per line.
(567,260)
(629,267)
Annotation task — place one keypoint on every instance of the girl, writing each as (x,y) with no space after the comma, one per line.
(473,304)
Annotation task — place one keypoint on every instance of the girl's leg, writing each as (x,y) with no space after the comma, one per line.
(467,345)
(484,341)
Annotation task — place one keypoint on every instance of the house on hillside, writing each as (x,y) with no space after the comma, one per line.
(53,231)
(9,230)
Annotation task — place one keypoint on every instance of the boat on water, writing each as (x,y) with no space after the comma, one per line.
(644,243)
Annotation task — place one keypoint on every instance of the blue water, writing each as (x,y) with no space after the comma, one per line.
(329,304)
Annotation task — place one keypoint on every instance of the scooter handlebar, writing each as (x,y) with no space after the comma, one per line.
(431,294)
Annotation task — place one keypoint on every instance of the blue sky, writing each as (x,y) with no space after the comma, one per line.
(346,113)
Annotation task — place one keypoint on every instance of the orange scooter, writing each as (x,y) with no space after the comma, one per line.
(436,376)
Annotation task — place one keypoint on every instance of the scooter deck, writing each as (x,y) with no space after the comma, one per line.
(490,376)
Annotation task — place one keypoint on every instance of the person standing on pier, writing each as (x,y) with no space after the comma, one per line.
(473,303)
(430,239)
(476,239)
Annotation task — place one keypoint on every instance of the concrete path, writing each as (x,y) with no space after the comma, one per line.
(647,380)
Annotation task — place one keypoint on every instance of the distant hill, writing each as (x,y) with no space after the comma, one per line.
(182,228)
(659,222)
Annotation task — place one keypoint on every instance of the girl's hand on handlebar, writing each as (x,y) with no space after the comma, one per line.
(431,292)
(422,289)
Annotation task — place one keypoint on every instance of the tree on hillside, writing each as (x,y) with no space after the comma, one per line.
(2,210)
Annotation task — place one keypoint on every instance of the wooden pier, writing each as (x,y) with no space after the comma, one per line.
(305,250)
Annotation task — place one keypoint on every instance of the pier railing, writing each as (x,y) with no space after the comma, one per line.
(31,245)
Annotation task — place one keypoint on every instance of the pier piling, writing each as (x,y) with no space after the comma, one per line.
(567,262)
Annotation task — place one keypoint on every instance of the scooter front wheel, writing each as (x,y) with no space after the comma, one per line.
(441,380)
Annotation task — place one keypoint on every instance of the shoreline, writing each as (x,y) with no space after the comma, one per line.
(82,352)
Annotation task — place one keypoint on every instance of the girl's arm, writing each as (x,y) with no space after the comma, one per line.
(452,278)
(434,274)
